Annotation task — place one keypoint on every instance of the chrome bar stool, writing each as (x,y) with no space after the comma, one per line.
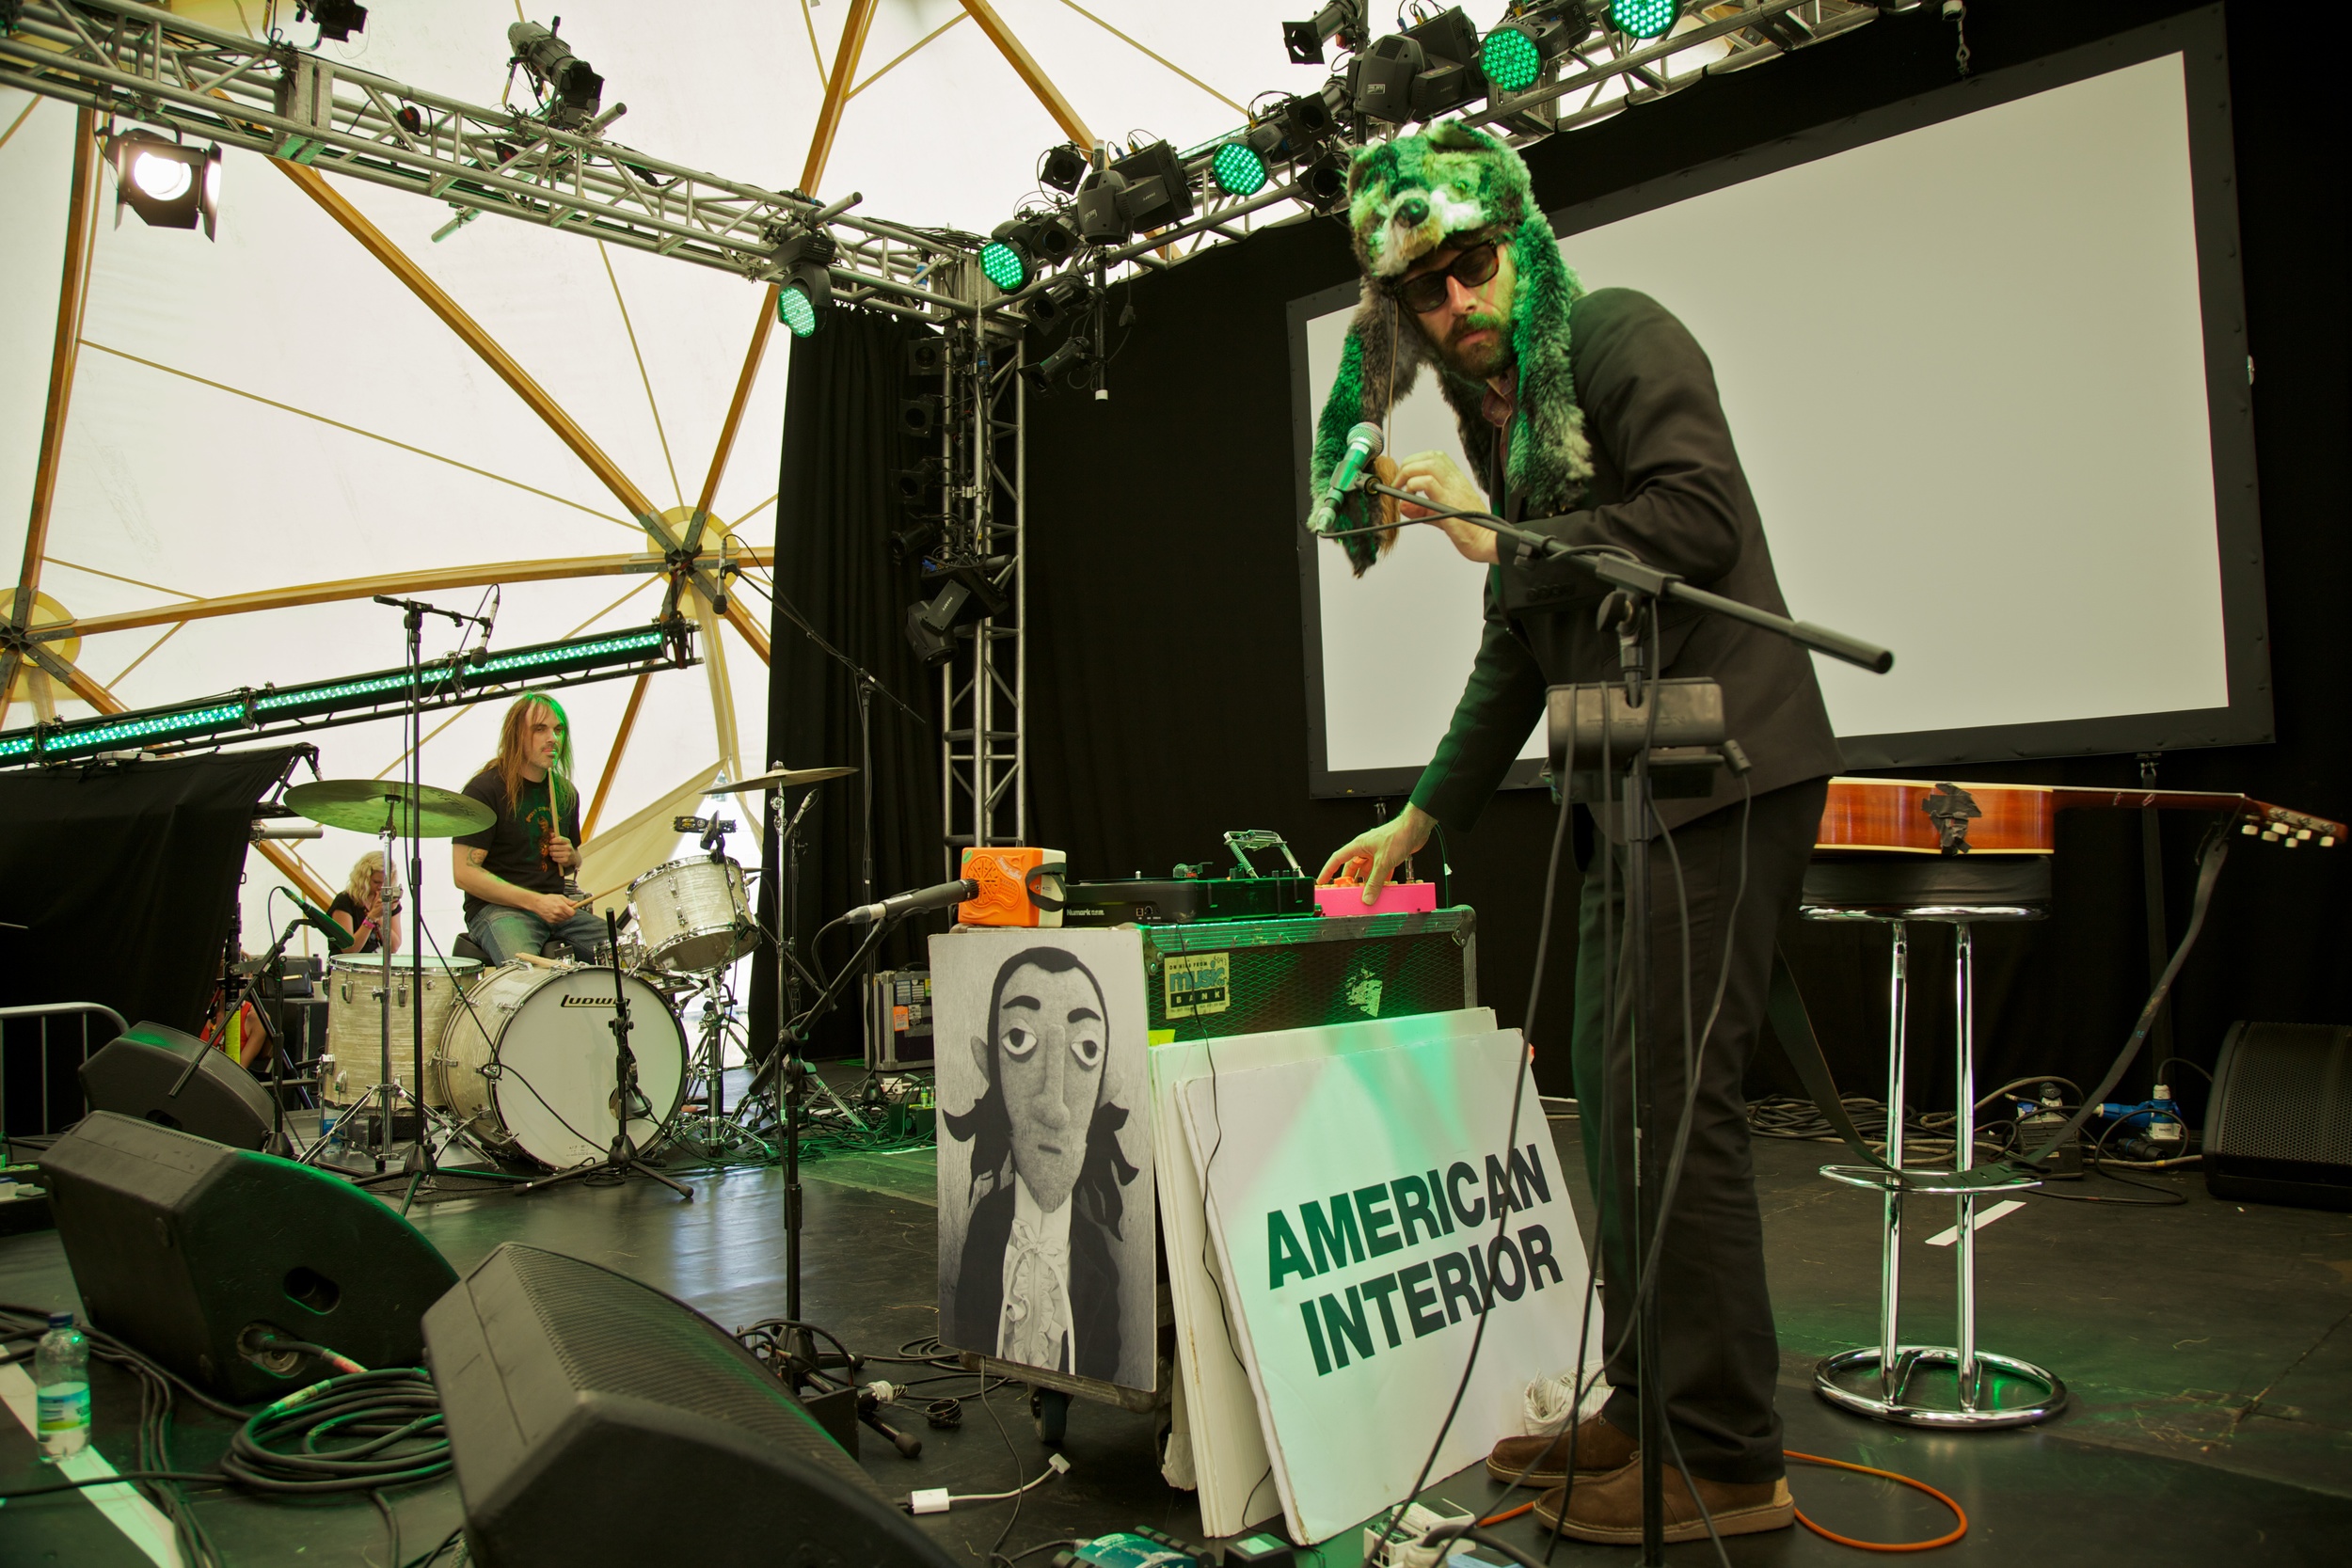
(1890,1380)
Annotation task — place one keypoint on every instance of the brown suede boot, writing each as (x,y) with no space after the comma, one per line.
(1600,1448)
(1609,1509)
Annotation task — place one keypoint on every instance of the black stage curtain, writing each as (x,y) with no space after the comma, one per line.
(836,504)
(126,876)
(1166,685)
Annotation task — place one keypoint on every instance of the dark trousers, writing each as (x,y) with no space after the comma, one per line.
(1718,1355)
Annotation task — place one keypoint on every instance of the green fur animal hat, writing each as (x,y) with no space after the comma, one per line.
(1409,197)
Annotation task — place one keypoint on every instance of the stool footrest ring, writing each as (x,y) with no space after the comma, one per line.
(2006,1392)
(1933,1183)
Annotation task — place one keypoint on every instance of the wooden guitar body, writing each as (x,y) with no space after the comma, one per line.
(1911,817)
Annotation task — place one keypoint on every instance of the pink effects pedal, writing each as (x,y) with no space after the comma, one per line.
(1343,898)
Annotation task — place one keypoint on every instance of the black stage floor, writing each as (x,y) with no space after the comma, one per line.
(2208,1346)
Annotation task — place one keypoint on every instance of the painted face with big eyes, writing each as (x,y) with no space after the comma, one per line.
(1049,1040)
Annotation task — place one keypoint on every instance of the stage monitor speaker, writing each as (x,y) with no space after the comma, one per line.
(184,1249)
(2278,1128)
(144,1072)
(594,1421)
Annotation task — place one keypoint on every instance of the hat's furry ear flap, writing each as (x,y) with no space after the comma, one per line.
(1380,362)
(1549,457)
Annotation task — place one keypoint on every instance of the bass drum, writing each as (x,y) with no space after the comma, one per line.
(527,1062)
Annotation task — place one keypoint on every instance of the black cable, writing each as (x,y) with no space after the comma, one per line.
(435,1555)
(1019,1486)
(1519,1092)
(2204,1072)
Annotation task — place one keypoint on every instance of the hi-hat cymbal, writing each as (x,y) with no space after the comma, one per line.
(783,778)
(362,805)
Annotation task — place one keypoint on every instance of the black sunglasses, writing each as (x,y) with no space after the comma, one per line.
(1427,291)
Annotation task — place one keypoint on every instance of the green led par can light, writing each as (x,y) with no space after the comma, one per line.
(1510,59)
(1239,169)
(1004,264)
(794,309)
(1644,19)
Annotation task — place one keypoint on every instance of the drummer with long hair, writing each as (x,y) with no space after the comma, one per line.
(514,872)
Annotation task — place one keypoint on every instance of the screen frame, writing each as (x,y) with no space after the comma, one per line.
(2198,36)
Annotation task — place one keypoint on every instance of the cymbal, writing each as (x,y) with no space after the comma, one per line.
(361,805)
(784,778)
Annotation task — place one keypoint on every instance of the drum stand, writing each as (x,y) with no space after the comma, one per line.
(714,1131)
(622,1157)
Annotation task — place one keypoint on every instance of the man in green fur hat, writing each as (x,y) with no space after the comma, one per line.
(1598,413)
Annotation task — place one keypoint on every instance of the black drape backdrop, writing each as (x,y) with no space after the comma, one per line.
(835,506)
(127,878)
(1168,691)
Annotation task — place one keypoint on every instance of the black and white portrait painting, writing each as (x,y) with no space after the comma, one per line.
(1045,1199)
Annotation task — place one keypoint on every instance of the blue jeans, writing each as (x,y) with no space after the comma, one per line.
(501,932)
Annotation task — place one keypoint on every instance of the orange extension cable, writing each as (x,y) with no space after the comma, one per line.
(1945,1540)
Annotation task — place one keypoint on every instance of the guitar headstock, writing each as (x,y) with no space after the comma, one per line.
(2290,828)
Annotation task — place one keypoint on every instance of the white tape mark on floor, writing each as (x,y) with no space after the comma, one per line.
(132,1513)
(1984,1217)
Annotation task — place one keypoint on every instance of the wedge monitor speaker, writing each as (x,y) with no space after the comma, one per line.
(2278,1128)
(183,1248)
(144,1072)
(594,1420)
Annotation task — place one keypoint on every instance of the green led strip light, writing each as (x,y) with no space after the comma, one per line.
(16,746)
(129,727)
(563,652)
(299,694)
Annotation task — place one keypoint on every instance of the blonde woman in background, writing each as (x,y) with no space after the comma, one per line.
(359,908)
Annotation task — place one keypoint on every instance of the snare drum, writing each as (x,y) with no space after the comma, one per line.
(691,914)
(355,1018)
(550,1092)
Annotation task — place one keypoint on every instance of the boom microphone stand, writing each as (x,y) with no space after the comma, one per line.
(1638,588)
(622,1157)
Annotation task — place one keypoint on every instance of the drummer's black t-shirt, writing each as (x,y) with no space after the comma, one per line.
(514,839)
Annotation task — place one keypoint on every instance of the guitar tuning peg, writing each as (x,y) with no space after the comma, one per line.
(2287,842)
(2327,841)
(2302,832)
(2249,829)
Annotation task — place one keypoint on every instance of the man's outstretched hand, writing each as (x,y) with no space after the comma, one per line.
(1375,854)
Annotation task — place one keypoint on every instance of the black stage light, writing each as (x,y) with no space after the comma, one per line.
(914,538)
(572,89)
(1644,19)
(1420,72)
(967,594)
(807,287)
(1022,247)
(1145,190)
(1324,181)
(1062,167)
(926,355)
(1074,351)
(1305,119)
(1063,297)
(336,19)
(170,185)
(920,415)
(922,480)
(1342,20)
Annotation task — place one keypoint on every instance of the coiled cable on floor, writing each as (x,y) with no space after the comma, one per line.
(1960,1515)
(353,1433)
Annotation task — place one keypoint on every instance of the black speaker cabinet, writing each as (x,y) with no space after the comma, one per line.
(181,1246)
(594,1420)
(137,1071)
(2280,1127)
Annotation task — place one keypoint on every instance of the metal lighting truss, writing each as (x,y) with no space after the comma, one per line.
(983,686)
(1608,74)
(134,62)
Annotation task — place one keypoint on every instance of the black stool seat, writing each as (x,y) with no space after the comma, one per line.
(1927,887)
(466,947)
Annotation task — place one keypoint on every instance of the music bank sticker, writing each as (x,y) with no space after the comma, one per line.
(1197,984)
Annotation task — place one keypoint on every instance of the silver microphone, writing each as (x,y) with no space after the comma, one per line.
(1363,444)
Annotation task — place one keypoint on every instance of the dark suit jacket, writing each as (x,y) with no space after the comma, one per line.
(1667,484)
(1093,1286)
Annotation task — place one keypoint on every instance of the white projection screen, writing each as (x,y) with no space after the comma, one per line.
(1983,355)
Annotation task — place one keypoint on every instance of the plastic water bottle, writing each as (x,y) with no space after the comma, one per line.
(326,1127)
(61,1379)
